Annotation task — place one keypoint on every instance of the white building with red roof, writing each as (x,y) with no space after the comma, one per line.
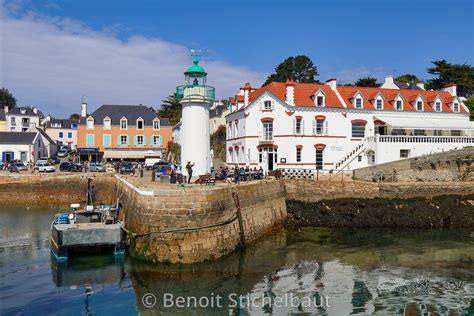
(331,127)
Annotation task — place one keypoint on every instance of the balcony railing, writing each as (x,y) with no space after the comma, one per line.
(421,139)
(191,92)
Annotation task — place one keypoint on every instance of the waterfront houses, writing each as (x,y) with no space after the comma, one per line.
(3,121)
(63,131)
(22,119)
(122,132)
(26,146)
(333,127)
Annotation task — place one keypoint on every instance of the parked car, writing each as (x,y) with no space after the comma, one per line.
(43,160)
(63,152)
(70,166)
(109,167)
(54,160)
(162,167)
(96,167)
(44,167)
(126,167)
(149,162)
(17,166)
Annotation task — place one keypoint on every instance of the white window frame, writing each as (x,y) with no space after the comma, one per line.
(121,140)
(320,94)
(123,119)
(156,140)
(438,106)
(156,120)
(138,142)
(143,124)
(356,102)
(456,107)
(265,103)
(90,123)
(397,103)
(107,123)
(377,103)
(299,154)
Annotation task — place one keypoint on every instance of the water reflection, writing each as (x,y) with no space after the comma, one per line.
(362,272)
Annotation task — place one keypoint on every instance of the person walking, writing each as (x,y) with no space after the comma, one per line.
(236,174)
(189,169)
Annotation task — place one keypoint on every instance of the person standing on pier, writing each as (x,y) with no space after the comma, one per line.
(189,169)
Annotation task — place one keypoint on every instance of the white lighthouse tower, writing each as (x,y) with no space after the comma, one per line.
(195,97)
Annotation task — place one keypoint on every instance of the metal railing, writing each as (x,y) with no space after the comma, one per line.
(192,92)
(265,138)
(421,139)
(352,154)
(327,175)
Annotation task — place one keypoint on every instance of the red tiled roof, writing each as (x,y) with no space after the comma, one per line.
(304,94)
(240,98)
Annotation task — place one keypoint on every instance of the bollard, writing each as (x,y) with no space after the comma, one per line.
(153,173)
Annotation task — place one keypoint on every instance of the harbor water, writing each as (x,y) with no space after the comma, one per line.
(296,271)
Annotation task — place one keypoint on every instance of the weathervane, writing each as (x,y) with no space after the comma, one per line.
(195,53)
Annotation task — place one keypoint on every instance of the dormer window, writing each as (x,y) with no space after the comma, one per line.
(378,104)
(438,106)
(156,124)
(90,123)
(419,105)
(455,107)
(107,123)
(139,123)
(358,100)
(320,98)
(267,105)
(399,105)
(123,123)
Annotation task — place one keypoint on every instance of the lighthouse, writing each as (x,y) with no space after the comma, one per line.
(195,98)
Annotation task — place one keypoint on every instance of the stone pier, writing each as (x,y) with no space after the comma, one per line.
(199,223)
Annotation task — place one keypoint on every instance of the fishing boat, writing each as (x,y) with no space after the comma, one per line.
(88,230)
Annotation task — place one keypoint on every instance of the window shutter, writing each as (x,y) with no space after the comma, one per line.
(314,127)
(151,141)
(294,126)
(118,141)
(161,140)
(302,127)
(273,105)
(128,140)
(326,127)
(144,140)
(260,105)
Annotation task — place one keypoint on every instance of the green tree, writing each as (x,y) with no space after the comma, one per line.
(407,78)
(470,105)
(367,82)
(171,109)
(74,116)
(446,73)
(6,98)
(299,68)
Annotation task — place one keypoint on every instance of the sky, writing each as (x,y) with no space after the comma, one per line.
(52,53)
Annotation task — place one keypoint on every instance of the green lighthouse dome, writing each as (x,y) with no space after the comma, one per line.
(195,69)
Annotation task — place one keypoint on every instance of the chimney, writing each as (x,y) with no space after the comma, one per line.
(332,83)
(83,109)
(421,85)
(389,83)
(247,89)
(451,89)
(35,110)
(5,109)
(290,92)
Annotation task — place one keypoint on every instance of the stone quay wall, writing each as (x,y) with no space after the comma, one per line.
(366,204)
(54,190)
(195,224)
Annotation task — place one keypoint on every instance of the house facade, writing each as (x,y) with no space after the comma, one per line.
(122,132)
(217,114)
(331,127)
(3,120)
(26,146)
(23,119)
(63,131)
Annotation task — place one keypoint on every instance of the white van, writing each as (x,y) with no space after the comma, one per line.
(149,162)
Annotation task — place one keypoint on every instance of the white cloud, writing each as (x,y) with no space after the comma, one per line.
(51,62)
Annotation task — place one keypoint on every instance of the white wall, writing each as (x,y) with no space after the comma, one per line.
(338,141)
